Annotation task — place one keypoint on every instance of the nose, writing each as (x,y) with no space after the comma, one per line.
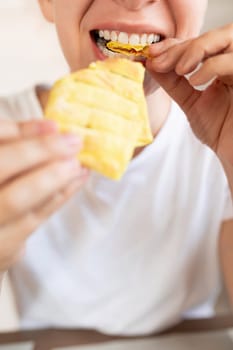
(135,5)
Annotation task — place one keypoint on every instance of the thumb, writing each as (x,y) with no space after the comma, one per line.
(177,87)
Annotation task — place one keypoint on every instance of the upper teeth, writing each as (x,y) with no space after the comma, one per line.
(133,39)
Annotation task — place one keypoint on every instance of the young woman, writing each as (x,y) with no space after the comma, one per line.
(138,255)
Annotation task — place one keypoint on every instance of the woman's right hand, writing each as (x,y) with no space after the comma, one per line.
(39,171)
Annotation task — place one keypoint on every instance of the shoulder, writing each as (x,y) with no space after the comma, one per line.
(21,106)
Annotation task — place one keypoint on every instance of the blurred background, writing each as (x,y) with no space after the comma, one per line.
(29,54)
(30,51)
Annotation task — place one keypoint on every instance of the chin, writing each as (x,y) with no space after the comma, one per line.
(150,85)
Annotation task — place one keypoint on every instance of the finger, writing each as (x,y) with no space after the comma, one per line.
(23,155)
(29,191)
(159,48)
(167,60)
(178,88)
(205,46)
(219,67)
(12,131)
(17,231)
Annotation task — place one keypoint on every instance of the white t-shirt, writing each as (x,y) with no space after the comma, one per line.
(132,256)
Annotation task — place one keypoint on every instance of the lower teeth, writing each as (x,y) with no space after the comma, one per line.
(106,51)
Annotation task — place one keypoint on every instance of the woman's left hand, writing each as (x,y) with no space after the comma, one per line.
(210,112)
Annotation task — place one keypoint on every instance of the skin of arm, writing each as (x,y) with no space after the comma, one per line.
(226,257)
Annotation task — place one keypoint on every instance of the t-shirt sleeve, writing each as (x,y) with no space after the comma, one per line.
(21,107)
(5,108)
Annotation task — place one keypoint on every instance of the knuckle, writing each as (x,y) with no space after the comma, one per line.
(162,65)
(197,44)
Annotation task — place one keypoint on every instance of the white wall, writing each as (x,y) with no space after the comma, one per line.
(29,50)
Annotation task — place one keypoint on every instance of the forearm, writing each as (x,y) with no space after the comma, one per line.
(228,168)
(226,257)
(226,239)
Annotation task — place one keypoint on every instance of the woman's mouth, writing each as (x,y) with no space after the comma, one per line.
(101,37)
